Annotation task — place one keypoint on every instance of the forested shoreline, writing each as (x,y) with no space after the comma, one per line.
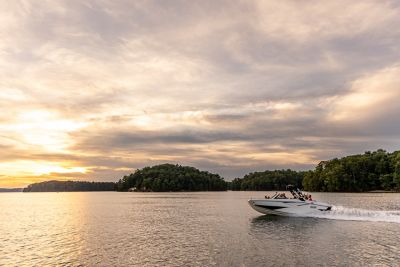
(267,180)
(378,170)
(69,186)
(371,171)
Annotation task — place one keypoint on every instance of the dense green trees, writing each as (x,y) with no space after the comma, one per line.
(267,180)
(376,170)
(169,177)
(69,186)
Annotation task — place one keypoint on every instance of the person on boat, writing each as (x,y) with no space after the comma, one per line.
(310,198)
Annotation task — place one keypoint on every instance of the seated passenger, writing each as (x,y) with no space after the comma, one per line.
(310,198)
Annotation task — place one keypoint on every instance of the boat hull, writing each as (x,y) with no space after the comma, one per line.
(288,207)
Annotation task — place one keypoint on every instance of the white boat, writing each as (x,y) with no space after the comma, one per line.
(298,205)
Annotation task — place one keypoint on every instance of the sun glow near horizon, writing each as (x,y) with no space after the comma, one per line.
(42,129)
(23,172)
(37,168)
(230,87)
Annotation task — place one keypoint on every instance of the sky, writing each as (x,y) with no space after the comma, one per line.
(92,90)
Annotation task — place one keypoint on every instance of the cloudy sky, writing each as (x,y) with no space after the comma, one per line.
(92,90)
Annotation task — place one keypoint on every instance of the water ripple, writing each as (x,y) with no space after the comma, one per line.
(191,229)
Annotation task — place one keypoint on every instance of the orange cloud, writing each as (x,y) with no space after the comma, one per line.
(94,91)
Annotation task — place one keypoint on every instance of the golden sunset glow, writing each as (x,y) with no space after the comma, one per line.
(31,168)
(95,91)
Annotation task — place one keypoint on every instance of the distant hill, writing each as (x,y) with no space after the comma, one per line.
(5,190)
(69,186)
(170,177)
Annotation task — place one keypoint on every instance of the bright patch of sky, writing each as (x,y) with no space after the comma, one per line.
(93,90)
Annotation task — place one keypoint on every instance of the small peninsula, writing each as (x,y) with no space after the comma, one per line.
(69,186)
(10,190)
(170,177)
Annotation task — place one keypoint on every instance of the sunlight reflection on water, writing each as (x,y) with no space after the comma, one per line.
(186,229)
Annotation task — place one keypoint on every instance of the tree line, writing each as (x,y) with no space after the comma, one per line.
(267,180)
(378,170)
(69,186)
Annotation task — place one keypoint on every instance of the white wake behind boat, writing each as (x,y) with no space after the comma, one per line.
(298,205)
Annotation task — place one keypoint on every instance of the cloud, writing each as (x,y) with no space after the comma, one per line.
(370,97)
(298,21)
(230,86)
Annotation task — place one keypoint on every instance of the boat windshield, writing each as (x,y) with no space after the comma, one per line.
(279,196)
(296,193)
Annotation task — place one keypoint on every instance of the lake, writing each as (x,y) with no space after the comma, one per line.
(194,229)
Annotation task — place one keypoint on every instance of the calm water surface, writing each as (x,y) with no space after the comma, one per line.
(193,229)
